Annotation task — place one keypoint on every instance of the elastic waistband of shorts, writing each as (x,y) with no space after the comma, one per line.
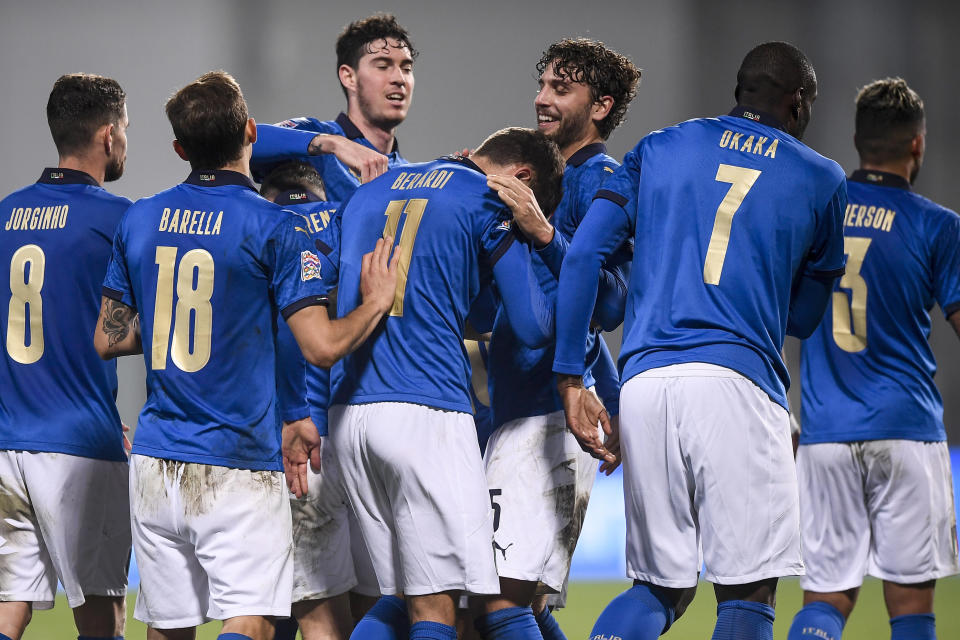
(691,370)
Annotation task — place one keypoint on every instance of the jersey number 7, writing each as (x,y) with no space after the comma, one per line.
(741,181)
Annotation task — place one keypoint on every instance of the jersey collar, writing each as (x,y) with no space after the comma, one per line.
(586,153)
(351,131)
(465,161)
(53,175)
(880,178)
(297,196)
(219,178)
(756,116)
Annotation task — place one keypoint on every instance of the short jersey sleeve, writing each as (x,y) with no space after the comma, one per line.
(623,186)
(826,256)
(116,284)
(296,269)
(946,264)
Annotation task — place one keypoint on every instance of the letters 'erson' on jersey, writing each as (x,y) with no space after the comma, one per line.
(450,229)
(207,264)
(725,214)
(58,395)
(867,371)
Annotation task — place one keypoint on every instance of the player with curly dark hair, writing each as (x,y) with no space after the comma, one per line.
(585,88)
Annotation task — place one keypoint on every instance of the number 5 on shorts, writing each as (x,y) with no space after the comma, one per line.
(741,181)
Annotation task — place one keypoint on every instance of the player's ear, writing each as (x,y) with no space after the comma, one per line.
(795,103)
(105,133)
(601,108)
(523,174)
(180,152)
(250,131)
(348,77)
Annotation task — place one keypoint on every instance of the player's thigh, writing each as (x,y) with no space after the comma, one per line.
(738,448)
(539,481)
(25,563)
(910,500)
(433,475)
(834,527)
(83,509)
(173,590)
(662,533)
(243,540)
(322,566)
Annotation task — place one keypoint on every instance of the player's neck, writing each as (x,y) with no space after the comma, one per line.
(240,166)
(591,136)
(381,139)
(97,170)
(903,168)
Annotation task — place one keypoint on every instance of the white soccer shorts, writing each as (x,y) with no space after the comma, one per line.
(212,543)
(883,507)
(62,516)
(707,463)
(540,482)
(415,481)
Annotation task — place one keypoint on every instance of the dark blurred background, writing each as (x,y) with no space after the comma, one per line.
(476,73)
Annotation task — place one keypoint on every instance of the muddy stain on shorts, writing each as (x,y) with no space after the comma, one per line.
(570,507)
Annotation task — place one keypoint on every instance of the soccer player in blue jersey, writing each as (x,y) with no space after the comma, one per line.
(873,466)
(64,511)
(737,232)
(539,477)
(207,265)
(375,67)
(400,408)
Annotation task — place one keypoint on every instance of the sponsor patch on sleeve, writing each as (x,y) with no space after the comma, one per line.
(504,225)
(309,266)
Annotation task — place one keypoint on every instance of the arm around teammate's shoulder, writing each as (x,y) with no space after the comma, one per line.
(118,330)
(528,310)
(324,341)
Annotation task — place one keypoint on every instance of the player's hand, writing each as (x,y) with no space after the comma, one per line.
(583,410)
(526,210)
(378,275)
(127,445)
(300,444)
(612,444)
(367,162)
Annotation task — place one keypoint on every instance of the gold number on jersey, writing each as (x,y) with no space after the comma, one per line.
(414,209)
(478,372)
(852,336)
(194,311)
(741,181)
(25,301)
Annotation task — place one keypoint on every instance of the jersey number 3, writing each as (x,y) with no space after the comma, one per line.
(193,308)
(852,336)
(414,209)
(741,181)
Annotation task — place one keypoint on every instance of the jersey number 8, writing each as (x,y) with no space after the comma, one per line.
(25,302)
(193,308)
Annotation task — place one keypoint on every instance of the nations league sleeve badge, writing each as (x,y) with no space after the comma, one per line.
(309,266)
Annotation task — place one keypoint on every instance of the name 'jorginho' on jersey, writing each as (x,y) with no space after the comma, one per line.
(868,369)
(57,394)
(726,213)
(207,264)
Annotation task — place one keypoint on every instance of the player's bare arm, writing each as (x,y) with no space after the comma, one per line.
(583,410)
(324,341)
(364,160)
(526,211)
(118,332)
(300,444)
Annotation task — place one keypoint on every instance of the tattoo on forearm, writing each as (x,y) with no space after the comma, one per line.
(118,321)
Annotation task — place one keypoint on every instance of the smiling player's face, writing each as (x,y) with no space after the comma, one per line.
(563,108)
(384,83)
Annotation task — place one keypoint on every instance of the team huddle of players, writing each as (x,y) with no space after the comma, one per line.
(429,337)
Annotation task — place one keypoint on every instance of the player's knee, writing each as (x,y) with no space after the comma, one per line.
(762,591)
(101,616)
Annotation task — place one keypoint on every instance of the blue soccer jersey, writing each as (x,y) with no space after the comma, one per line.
(521,379)
(207,264)
(291,138)
(303,388)
(728,216)
(868,369)
(454,234)
(58,395)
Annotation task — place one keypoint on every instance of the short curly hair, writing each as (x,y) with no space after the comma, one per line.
(79,104)
(605,71)
(889,116)
(353,41)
